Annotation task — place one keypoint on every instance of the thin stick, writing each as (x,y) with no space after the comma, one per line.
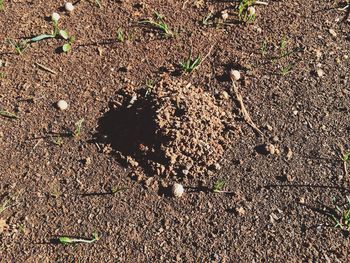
(345,165)
(244,111)
(261,3)
(45,68)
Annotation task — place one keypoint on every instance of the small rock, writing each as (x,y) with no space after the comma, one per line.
(289,153)
(319,72)
(225,95)
(235,74)
(69,6)
(177,190)
(224,15)
(269,127)
(332,32)
(270,148)
(62,105)
(240,211)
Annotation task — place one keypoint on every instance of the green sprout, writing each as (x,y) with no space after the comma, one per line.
(57,140)
(56,32)
(8,114)
(68,240)
(245,11)
(68,46)
(160,24)
(120,35)
(263,48)
(115,190)
(19,46)
(218,185)
(2,75)
(190,64)
(2,8)
(346,156)
(98,3)
(206,20)
(342,220)
(78,127)
(285,70)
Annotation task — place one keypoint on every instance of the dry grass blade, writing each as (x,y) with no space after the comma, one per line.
(344,156)
(243,109)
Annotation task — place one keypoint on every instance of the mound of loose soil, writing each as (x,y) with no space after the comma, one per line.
(171,128)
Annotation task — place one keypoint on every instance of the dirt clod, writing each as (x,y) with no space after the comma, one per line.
(174,128)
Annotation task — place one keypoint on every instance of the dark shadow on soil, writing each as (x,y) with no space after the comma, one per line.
(131,130)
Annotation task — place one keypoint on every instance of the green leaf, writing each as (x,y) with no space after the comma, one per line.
(64,34)
(41,37)
(66,47)
(65,240)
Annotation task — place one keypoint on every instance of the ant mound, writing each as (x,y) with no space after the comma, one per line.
(172,128)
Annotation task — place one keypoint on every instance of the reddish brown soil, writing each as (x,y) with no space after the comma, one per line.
(281,205)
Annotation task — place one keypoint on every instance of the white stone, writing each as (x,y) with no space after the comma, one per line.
(55,17)
(62,105)
(69,6)
(235,74)
(177,190)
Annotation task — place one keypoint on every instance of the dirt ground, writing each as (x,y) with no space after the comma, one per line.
(294,61)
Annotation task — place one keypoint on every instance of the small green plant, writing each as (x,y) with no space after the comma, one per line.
(218,185)
(346,156)
(78,127)
(190,64)
(98,3)
(68,240)
(342,220)
(56,32)
(5,204)
(8,114)
(68,46)
(2,7)
(2,75)
(285,70)
(263,48)
(206,20)
(246,11)
(19,46)
(57,140)
(115,189)
(120,35)
(160,24)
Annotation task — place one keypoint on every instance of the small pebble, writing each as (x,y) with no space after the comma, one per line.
(332,32)
(55,17)
(225,95)
(235,74)
(224,15)
(270,148)
(177,190)
(69,6)
(62,105)
(320,72)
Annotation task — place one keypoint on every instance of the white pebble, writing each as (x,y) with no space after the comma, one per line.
(235,74)
(319,72)
(62,105)
(69,6)
(332,32)
(55,17)
(177,190)
(224,15)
